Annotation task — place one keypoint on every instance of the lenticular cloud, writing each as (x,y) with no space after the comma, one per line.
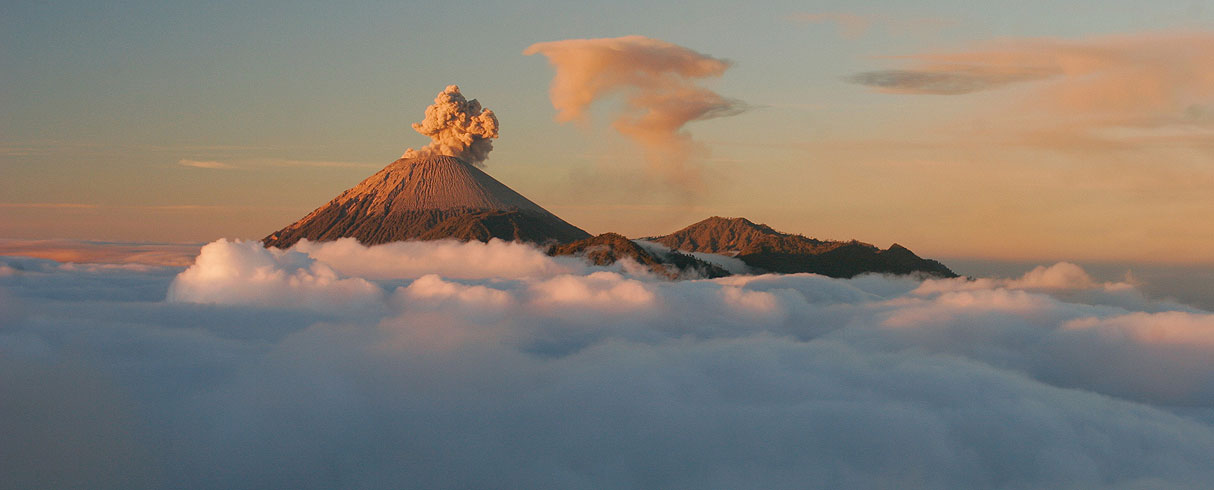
(470,365)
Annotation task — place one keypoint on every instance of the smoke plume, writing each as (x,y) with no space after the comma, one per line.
(457,127)
(657,79)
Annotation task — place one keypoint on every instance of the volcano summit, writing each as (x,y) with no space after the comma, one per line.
(435,192)
(429,198)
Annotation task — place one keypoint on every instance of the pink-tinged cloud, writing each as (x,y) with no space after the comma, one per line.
(1094,92)
(658,81)
(81,252)
(1148,72)
(48,205)
(208,164)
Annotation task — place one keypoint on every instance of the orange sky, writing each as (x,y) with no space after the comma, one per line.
(983,132)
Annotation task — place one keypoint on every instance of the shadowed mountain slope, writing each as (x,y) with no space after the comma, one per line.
(763,248)
(610,247)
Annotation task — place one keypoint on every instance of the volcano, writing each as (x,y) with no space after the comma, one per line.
(429,198)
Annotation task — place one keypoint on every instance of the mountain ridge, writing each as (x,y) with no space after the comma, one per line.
(609,248)
(764,248)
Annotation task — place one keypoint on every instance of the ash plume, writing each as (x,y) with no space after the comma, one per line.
(657,79)
(457,127)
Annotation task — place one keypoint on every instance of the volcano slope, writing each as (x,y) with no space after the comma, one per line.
(765,249)
(429,198)
(609,248)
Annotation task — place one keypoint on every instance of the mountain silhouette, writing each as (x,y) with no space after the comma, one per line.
(763,248)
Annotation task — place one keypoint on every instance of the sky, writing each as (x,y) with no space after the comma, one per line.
(1033,130)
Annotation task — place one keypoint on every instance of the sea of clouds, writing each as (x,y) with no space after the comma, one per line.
(469,365)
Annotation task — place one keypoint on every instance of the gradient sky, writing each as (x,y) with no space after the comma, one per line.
(1012,130)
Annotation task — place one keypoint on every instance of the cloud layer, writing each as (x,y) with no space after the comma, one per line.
(658,82)
(338,365)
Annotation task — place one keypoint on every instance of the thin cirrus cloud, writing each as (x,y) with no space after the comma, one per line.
(208,164)
(1106,92)
(272,162)
(1128,73)
(48,205)
(950,81)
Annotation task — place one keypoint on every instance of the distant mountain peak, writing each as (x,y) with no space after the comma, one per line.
(764,248)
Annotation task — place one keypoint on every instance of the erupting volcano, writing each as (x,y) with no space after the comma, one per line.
(429,198)
(435,192)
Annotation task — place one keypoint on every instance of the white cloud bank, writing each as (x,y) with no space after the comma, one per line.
(449,365)
(245,273)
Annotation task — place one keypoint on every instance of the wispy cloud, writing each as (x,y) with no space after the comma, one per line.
(274,162)
(1089,91)
(958,80)
(47,205)
(316,163)
(660,84)
(209,164)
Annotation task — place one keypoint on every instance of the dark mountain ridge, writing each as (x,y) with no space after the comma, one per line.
(766,249)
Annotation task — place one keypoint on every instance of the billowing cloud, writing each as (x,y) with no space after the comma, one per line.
(448,258)
(1060,276)
(457,127)
(242,272)
(658,82)
(552,376)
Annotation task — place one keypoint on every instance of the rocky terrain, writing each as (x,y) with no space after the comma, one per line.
(429,198)
(608,248)
(765,249)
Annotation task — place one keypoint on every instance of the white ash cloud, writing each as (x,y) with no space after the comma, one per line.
(457,127)
(658,82)
(545,374)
